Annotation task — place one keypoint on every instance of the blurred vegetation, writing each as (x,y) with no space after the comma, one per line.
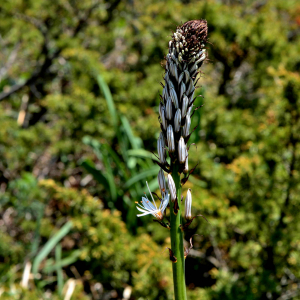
(79,92)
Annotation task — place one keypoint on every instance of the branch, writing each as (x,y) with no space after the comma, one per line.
(12,90)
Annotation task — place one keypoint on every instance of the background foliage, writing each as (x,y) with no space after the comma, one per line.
(79,83)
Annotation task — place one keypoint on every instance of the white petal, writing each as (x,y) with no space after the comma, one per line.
(148,205)
(151,195)
(141,215)
(142,210)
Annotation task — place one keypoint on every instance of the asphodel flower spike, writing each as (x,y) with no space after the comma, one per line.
(148,208)
(186,55)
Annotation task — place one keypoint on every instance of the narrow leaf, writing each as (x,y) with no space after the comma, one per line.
(50,245)
(109,100)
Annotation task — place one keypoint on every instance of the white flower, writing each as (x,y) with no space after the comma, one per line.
(148,208)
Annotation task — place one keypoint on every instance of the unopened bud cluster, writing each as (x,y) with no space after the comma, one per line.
(185,57)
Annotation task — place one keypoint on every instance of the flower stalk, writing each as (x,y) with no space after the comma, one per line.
(177,241)
(185,57)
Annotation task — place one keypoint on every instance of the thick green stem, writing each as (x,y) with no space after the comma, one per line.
(177,242)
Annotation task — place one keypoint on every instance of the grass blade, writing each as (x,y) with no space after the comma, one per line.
(59,271)
(50,245)
(142,175)
(134,141)
(142,153)
(98,176)
(109,100)
(52,265)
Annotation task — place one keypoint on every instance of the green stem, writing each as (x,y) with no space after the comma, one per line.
(177,242)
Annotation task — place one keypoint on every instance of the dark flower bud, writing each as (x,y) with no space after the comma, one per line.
(186,128)
(169,109)
(180,77)
(177,120)
(170,138)
(162,115)
(174,97)
(161,149)
(185,103)
(182,89)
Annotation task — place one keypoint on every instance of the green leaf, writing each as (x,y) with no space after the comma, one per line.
(142,175)
(60,278)
(142,153)
(53,265)
(109,100)
(50,245)
(134,141)
(102,152)
(90,167)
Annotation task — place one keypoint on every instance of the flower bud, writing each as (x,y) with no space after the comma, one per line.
(182,89)
(162,115)
(177,120)
(164,94)
(162,138)
(162,182)
(191,97)
(200,53)
(187,76)
(174,97)
(186,164)
(170,138)
(169,109)
(191,92)
(161,149)
(171,85)
(194,68)
(180,77)
(181,150)
(188,205)
(189,86)
(167,77)
(173,70)
(186,128)
(201,58)
(185,103)
(176,73)
(170,65)
(172,188)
